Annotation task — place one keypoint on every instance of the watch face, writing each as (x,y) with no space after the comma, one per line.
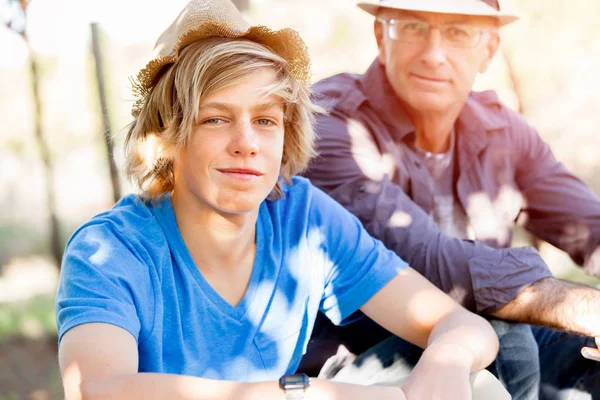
(294,381)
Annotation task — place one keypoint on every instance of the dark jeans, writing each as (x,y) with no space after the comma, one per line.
(565,374)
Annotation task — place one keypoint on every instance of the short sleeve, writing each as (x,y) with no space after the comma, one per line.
(102,280)
(359,266)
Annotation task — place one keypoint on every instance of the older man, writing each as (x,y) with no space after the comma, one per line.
(408,146)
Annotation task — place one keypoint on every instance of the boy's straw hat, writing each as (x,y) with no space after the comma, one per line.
(202,19)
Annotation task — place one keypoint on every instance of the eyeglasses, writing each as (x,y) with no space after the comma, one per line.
(416,31)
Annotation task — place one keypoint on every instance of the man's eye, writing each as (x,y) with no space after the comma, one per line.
(415,27)
(212,121)
(457,32)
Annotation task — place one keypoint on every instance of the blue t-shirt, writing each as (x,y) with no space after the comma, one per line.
(129,267)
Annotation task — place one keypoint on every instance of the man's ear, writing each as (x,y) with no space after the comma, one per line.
(378,29)
(491,48)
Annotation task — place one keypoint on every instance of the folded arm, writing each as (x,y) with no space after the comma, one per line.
(513,284)
(457,342)
(100,361)
(412,308)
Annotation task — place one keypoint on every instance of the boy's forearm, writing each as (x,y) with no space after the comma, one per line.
(176,387)
(179,387)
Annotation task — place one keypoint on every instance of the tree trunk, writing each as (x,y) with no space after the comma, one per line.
(55,242)
(112,166)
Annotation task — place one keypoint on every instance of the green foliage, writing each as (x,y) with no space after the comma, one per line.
(32,319)
(21,240)
(575,274)
(10,396)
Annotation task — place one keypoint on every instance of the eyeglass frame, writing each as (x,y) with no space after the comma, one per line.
(390,22)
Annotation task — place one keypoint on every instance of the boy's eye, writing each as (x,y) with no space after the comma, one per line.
(212,121)
(264,121)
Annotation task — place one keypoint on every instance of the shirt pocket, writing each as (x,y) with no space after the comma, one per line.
(282,345)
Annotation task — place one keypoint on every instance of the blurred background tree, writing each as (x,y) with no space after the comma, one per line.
(16,19)
(107,125)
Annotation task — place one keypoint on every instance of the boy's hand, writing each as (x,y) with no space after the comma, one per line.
(442,372)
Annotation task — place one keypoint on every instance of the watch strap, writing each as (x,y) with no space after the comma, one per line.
(294,394)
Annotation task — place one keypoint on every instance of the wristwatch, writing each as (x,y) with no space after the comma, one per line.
(294,385)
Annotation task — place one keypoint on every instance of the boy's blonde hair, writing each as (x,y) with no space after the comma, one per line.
(168,113)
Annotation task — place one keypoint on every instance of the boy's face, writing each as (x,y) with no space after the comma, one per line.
(233,158)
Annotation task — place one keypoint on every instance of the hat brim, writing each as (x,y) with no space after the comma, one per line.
(286,42)
(445,7)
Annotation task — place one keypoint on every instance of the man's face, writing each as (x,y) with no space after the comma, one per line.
(434,74)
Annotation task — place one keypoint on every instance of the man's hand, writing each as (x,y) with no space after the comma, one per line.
(592,353)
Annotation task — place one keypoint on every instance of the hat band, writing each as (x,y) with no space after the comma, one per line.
(491,3)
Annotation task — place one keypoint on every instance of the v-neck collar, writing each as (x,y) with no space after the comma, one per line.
(184,259)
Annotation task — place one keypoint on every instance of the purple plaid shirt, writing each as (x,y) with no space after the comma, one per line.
(503,169)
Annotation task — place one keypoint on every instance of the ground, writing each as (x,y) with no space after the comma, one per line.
(29,369)
(28,342)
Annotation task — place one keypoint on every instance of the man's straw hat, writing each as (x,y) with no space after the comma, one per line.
(484,8)
(202,19)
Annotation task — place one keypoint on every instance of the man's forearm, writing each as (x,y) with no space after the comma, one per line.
(556,304)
